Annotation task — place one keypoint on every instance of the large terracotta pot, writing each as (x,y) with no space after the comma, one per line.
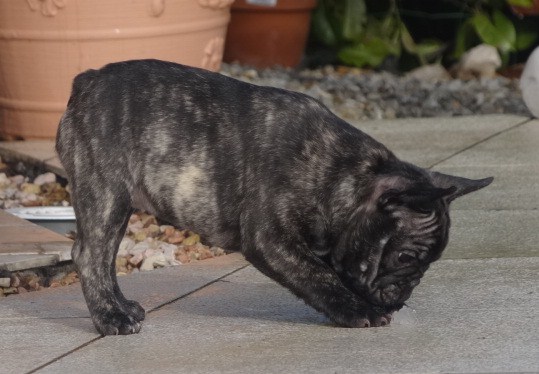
(265,33)
(45,43)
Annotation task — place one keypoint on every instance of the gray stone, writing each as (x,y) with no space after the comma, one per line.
(529,83)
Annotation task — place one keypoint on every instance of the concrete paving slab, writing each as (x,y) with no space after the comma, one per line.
(55,321)
(28,150)
(25,345)
(469,317)
(512,157)
(517,146)
(15,262)
(152,289)
(514,187)
(427,141)
(25,245)
(9,220)
(27,234)
(486,234)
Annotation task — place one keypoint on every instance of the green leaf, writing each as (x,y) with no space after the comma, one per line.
(321,26)
(485,29)
(354,19)
(407,40)
(499,33)
(424,50)
(505,27)
(372,53)
(522,3)
(429,49)
(464,39)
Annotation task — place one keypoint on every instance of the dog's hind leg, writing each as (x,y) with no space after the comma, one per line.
(102,216)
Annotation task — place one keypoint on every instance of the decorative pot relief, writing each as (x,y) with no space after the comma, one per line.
(215,4)
(213,53)
(48,8)
(157,7)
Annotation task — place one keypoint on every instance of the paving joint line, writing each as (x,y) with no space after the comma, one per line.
(150,311)
(197,289)
(527,120)
(64,355)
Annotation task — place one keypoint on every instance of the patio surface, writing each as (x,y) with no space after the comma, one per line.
(476,310)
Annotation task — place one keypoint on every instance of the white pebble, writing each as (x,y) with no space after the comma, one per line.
(157,260)
(5,282)
(125,246)
(482,61)
(169,251)
(150,252)
(17,179)
(45,178)
(4,180)
(135,227)
(139,248)
(136,259)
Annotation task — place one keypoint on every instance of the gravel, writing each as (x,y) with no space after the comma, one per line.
(147,244)
(359,95)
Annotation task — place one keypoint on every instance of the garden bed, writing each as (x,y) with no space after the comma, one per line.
(147,245)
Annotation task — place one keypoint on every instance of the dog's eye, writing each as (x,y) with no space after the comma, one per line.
(406,257)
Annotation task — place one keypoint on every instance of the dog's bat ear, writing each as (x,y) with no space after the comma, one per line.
(416,197)
(460,186)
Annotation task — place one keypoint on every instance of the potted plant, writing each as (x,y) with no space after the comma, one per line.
(45,43)
(265,33)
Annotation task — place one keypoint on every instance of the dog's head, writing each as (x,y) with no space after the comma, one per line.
(393,238)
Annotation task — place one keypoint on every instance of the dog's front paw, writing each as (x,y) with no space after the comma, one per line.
(371,318)
(372,321)
(115,321)
(134,309)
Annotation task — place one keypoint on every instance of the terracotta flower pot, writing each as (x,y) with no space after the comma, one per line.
(265,33)
(45,43)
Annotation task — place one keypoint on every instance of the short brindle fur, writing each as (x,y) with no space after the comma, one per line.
(312,202)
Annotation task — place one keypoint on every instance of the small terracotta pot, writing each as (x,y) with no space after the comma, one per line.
(527,11)
(45,43)
(268,35)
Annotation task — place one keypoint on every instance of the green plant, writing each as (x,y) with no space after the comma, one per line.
(488,24)
(363,38)
(370,32)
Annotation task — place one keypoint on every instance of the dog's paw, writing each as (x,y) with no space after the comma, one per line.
(373,321)
(366,319)
(116,322)
(134,309)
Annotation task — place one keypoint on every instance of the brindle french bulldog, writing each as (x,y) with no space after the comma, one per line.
(312,202)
